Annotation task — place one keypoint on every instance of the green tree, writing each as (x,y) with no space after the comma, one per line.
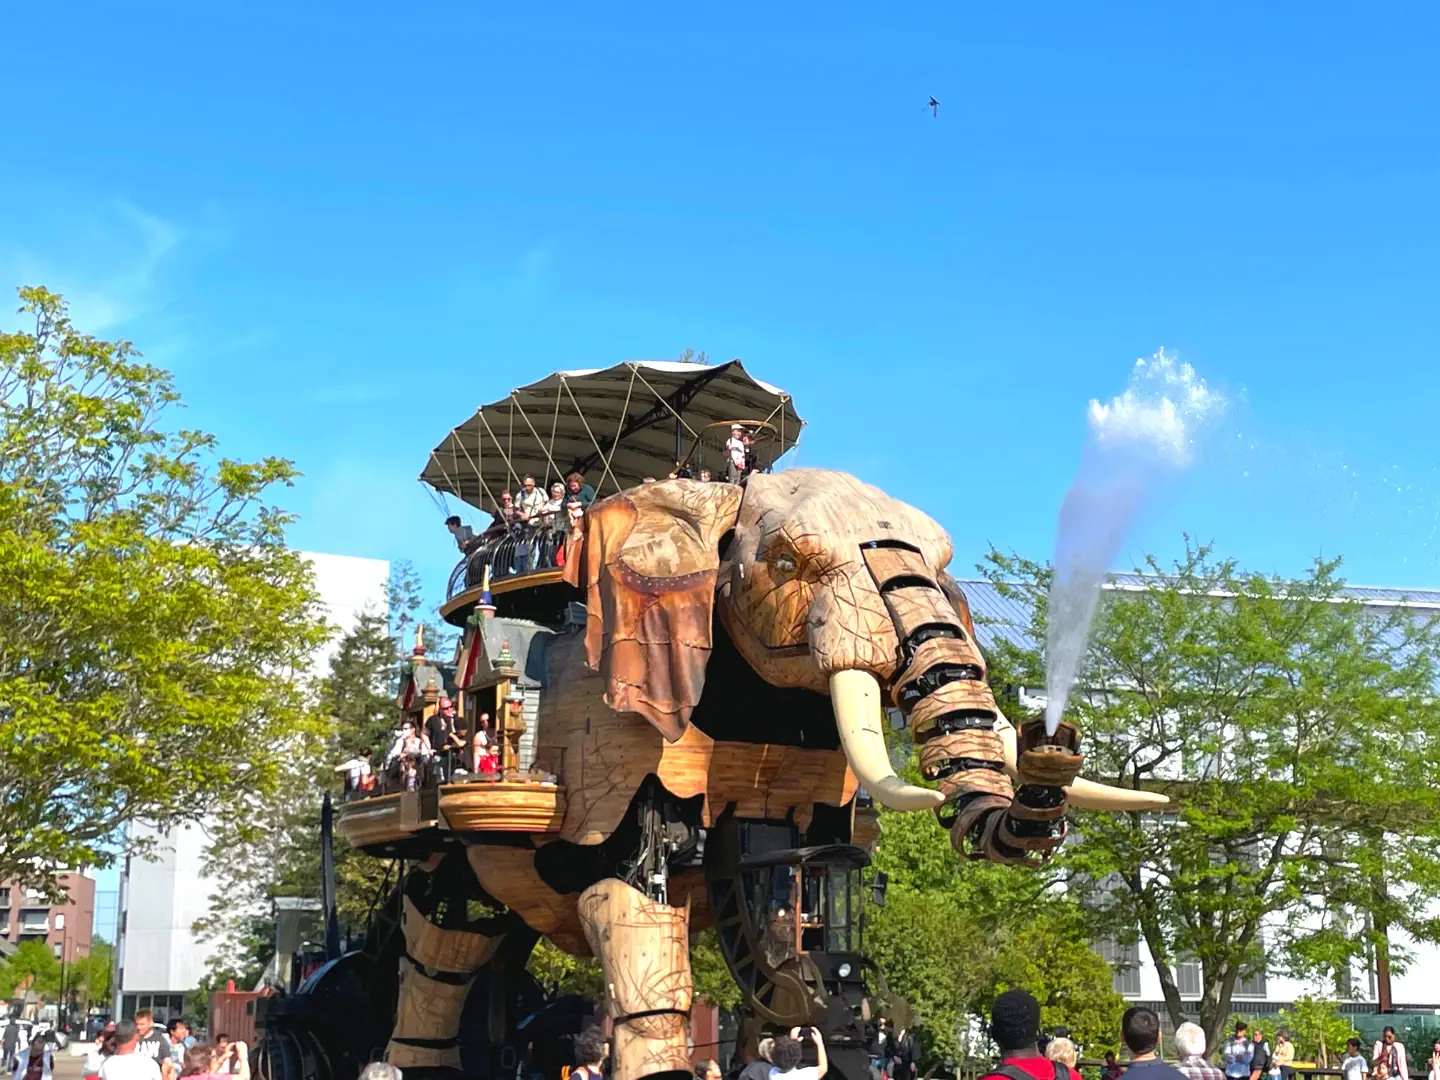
(32,967)
(1052,957)
(709,974)
(954,933)
(268,844)
(90,976)
(150,604)
(1306,731)
(1315,1025)
(560,973)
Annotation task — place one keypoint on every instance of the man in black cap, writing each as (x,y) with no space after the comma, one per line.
(1015,1028)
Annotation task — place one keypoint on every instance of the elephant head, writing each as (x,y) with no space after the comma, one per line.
(827,584)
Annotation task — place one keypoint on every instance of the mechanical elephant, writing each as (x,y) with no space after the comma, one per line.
(740,647)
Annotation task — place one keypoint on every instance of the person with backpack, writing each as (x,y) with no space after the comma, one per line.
(1015,1029)
(591,1050)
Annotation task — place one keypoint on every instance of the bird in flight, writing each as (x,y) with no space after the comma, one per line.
(934,107)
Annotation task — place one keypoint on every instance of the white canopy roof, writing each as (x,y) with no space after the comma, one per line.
(617,425)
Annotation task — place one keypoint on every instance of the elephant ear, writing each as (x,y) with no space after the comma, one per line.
(650,559)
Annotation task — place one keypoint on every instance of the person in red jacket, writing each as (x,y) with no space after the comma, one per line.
(1015,1028)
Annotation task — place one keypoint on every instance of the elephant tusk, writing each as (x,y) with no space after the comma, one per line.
(855,696)
(1081,793)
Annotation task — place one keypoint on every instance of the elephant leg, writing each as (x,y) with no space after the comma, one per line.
(436,973)
(644,948)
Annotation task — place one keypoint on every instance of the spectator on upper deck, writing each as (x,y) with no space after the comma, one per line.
(408,751)
(576,485)
(532,499)
(504,515)
(735,454)
(355,770)
(704,476)
(464,535)
(551,510)
(443,738)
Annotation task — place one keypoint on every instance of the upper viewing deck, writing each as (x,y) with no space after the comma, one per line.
(533,461)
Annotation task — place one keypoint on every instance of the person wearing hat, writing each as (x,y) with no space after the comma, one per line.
(735,454)
(1015,1028)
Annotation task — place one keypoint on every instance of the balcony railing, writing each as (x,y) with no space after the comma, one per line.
(513,553)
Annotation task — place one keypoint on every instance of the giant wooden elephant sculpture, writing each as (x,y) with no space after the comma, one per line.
(741,645)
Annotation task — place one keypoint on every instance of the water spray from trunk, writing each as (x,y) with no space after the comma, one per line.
(1141,439)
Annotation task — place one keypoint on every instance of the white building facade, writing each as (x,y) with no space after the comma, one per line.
(157,956)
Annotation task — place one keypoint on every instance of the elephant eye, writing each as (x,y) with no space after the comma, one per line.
(783,562)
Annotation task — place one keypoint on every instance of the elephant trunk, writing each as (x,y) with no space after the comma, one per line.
(965,743)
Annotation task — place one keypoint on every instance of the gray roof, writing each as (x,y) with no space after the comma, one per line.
(571,418)
(1002,618)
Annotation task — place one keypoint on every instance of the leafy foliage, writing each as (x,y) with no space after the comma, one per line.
(954,933)
(560,973)
(91,976)
(151,605)
(32,967)
(1305,729)
(268,845)
(1314,1023)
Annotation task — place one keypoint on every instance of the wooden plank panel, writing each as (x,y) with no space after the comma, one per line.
(508,874)
(505,806)
(914,606)
(887,563)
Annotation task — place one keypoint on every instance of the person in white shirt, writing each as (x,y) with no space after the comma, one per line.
(787,1054)
(126,1063)
(1354,1067)
(735,454)
(355,770)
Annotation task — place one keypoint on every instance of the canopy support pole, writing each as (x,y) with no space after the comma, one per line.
(509,469)
(664,407)
(543,449)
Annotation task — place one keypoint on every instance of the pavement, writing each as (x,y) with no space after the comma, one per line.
(70,1064)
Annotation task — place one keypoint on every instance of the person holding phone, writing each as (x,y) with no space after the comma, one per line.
(788,1053)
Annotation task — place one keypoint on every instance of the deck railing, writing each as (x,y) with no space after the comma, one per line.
(515,552)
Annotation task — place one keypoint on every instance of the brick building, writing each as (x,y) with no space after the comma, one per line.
(26,915)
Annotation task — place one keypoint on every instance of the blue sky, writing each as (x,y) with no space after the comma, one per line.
(344,226)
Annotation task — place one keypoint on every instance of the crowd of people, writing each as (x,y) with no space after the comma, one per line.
(439,752)
(139,1049)
(1027,1053)
(536,521)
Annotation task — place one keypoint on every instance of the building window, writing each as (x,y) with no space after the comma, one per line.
(57,948)
(1252,987)
(59,922)
(1124,960)
(1187,978)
